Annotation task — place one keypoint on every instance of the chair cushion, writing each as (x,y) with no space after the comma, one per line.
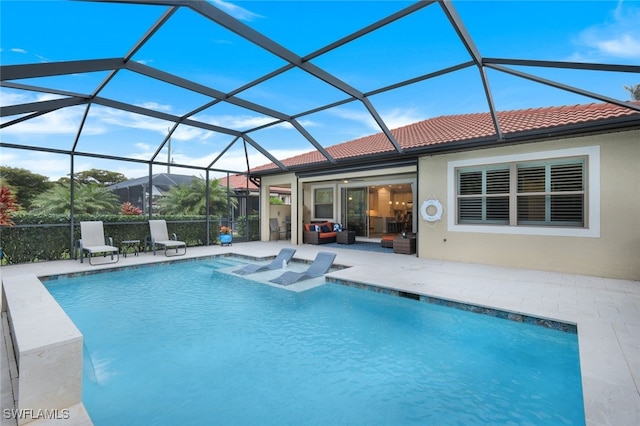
(387,241)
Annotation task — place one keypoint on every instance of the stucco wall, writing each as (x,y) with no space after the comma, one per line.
(287,180)
(614,253)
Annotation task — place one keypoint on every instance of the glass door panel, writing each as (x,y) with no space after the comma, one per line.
(355,205)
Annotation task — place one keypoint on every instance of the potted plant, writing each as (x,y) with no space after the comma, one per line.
(225,235)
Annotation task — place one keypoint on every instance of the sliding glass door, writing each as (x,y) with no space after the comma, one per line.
(355,206)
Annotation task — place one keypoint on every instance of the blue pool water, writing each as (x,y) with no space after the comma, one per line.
(185,344)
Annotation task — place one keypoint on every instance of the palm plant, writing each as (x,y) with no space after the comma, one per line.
(88,198)
(191,199)
(634,90)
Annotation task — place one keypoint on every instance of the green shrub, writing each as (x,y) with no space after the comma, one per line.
(253,232)
(38,237)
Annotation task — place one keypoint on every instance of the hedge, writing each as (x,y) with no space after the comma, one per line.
(35,238)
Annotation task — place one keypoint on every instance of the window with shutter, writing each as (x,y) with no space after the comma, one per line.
(546,193)
(483,195)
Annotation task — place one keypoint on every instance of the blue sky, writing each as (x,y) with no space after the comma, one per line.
(195,48)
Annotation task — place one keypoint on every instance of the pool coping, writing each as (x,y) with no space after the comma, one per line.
(549,323)
(606,310)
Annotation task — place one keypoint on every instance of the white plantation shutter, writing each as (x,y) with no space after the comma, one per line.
(483,196)
(549,193)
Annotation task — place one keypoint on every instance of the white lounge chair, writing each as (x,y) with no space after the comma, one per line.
(160,237)
(321,264)
(92,241)
(285,255)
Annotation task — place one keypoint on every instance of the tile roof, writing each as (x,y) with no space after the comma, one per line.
(237,181)
(443,130)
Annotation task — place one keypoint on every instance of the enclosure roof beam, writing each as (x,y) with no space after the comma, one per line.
(48,69)
(51,105)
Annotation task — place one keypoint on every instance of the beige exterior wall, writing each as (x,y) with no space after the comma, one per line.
(613,250)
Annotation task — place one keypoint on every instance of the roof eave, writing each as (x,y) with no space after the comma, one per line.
(411,154)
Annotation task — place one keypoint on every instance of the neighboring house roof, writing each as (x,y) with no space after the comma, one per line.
(474,131)
(239,182)
(159,180)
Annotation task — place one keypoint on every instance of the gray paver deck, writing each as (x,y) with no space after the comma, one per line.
(606,311)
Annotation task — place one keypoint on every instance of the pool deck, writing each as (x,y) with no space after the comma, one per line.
(606,311)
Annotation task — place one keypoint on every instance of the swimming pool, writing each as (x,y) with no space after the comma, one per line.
(186,344)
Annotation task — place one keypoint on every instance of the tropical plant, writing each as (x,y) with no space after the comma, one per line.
(95,176)
(634,90)
(24,185)
(191,199)
(91,199)
(273,200)
(129,209)
(7,205)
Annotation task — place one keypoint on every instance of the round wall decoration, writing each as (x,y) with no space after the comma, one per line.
(434,205)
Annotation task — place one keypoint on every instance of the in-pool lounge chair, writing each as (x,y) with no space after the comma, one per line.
(160,237)
(92,241)
(285,255)
(321,264)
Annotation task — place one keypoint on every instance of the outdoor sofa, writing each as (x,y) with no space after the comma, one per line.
(319,233)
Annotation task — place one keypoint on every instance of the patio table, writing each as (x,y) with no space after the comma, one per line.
(130,245)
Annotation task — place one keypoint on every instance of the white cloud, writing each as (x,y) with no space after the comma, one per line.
(236,11)
(156,106)
(235,159)
(360,117)
(617,38)
(393,118)
(11,97)
(61,122)
(399,117)
(18,50)
(190,133)
(115,117)
(50,165)
(235,121)
(625,46)
(143,146)
(144,61)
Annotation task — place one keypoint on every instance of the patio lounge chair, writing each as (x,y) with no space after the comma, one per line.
(92,241)
(274,228)
(318,268)
(160,237)
(285,255)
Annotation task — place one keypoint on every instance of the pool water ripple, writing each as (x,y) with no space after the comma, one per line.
(184,344)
